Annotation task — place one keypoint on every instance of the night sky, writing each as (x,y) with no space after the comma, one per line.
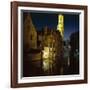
(71,25)
(71,22)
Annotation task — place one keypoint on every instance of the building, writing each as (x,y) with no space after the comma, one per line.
(51,42)
(74,53)
(30,34)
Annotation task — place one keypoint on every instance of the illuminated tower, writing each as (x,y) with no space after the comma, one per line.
(60,26)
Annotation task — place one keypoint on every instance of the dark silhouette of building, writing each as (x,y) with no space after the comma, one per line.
(74,53)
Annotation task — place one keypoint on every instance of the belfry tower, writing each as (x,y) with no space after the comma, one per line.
(60,26)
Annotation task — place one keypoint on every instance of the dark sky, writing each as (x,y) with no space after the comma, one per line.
(71,22)
(41,20)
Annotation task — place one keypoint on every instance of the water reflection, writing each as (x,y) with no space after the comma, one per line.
(48,58)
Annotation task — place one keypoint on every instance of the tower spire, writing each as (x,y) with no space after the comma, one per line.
(60,26)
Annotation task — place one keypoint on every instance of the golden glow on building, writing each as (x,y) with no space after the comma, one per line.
(60,26)
(46,52)
(47,58)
